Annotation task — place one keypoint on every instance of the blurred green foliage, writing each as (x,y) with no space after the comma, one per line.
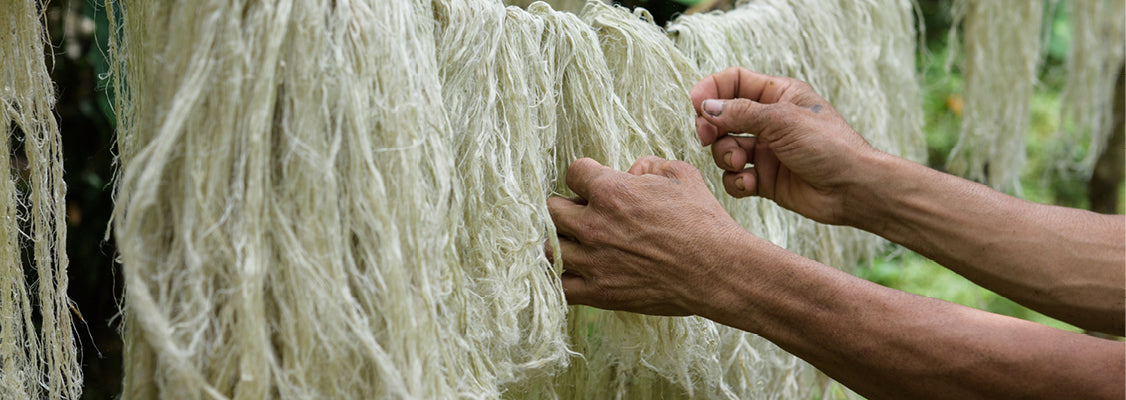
(913,273)
(1041,181)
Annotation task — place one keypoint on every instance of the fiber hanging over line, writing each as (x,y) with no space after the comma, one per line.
(573,6)
(858,55)
(283,208)
(349,199)
(623,354)
(1094,61)
(38,357)
(499,90)
(1002,46)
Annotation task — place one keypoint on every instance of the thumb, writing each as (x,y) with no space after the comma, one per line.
(740,116)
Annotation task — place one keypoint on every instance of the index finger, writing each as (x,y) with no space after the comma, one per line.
(738,83)
(581,173)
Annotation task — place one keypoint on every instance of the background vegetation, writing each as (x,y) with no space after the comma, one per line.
(79,31)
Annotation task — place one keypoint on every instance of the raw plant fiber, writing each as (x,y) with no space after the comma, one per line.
(498,87)
(858,55)
(38,357)
(283,209)
(1095,59)
(573,6)
(624,355)
(348,199)
(1003,52)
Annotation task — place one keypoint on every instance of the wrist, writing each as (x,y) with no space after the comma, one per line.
(736,279)
(869,200)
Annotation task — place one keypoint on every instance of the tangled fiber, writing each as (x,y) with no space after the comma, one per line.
(347,199)
(1094,61)
(858,55)
(573,6)
(1003,52)
(38,358)
(283,210)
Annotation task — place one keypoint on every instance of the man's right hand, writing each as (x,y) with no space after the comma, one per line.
(803,155)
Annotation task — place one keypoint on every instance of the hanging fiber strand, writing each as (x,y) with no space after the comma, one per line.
(628,355)
(1094,61)
(877,95)
(1002,50)
(573,6)
(349,200)
(498,89)
(282,213)
(38,357)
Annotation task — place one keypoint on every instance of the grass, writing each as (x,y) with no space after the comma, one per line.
(911,272)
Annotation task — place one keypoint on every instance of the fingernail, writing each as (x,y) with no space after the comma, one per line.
(739,184)
(727,159)
(713,107)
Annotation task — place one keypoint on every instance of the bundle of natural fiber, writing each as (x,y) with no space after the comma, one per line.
(573,6)
(858,55)
(498,81)
(38,358)
(283,211)
(1002,47)
(348,199)
(1094,61)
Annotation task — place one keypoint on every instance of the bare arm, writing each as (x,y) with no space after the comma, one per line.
(655,241)
(889,344)
(1063,262)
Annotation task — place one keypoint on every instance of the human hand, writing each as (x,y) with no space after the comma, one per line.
(803,155)
(643,241)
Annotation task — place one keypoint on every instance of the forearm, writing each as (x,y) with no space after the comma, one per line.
(1063,262)
(889,344)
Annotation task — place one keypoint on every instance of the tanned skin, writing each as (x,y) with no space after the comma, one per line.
(654,240)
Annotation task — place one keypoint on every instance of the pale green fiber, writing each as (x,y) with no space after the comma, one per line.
(348,199)
(1094,62)
(1002,45)
(38,357)
(282,215)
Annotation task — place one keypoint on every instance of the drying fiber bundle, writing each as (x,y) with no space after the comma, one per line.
(573,6)
(283,212)
(498,89)
(38,358)
(1003,51)
(348,199)
(858,55)
(1094,61)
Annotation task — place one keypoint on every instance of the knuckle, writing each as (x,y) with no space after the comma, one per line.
(583,161)
(607,189)
(593,234)
(802,85)
(650,158)
(681,168)
(600,185)
(775,112)
(796,84)
(579,165)
(737,106)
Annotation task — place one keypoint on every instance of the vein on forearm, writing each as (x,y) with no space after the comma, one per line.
(889,344)
(1063,262)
